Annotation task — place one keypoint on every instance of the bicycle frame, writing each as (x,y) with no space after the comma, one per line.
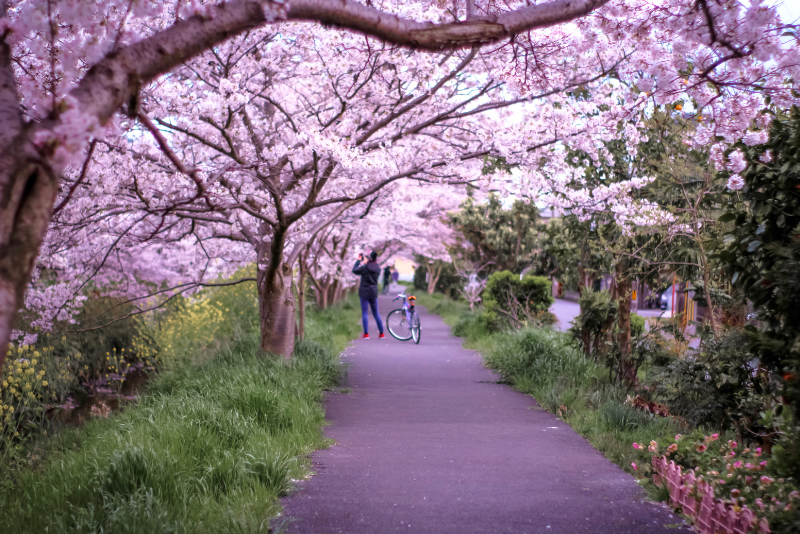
(407,307)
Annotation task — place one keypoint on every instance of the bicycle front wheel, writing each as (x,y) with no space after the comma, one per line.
(398,325)
(416,329)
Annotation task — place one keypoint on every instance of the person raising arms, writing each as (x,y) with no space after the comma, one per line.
(368,290)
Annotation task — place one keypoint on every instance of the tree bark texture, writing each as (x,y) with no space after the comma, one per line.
(301,300)
(28,189)
(588,344)
(276,301)
(709,303)
(623,295)
(433,277)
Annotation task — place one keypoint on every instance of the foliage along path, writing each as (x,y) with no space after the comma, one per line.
(428,442)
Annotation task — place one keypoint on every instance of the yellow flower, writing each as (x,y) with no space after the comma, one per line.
(44,382)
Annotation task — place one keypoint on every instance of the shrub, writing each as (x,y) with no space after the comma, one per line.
(762,252)
(637,325)
(513,301)
(595,322)
(719,385)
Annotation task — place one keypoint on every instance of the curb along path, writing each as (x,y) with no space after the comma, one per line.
(427,442)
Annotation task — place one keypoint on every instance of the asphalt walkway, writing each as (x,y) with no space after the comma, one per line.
(428,442)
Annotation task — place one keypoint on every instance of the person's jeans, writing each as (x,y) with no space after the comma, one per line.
(373,303)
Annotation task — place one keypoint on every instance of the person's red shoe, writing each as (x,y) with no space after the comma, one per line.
(381,336)
(365,336)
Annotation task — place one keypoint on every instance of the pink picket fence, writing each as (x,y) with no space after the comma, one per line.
(710,515)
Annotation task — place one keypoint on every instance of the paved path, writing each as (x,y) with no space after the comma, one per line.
(426,442)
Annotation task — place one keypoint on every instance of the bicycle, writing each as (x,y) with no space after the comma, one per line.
(403,323)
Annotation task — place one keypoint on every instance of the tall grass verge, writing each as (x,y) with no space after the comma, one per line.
(210,448)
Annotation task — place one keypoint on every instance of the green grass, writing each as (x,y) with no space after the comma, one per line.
(210,448)
(544,364)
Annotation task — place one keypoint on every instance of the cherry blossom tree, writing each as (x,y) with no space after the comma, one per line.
(67,67)
(238,152)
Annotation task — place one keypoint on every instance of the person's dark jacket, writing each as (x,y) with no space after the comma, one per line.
(369,272)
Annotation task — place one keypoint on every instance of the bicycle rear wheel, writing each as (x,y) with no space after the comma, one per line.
(416,328)
(398,325)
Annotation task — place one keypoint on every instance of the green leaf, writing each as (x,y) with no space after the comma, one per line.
(753,245)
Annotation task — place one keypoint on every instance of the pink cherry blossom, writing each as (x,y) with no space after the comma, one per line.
(735,183)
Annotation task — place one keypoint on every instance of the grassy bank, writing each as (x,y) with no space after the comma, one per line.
(541,362)
(209,448)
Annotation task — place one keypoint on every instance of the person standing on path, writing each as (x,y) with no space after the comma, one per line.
(387,274)
(368,290)
(395,275)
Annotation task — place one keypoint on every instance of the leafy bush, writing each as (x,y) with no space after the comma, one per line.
(762,251)
(596,320)
(637,325)
(720,385)
(182,331)
(511,301)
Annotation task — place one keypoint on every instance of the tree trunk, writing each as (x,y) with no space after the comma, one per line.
(586,338)
(709,303)
(332,291)
(27,194)
(433,278)
(322,295)
(623,296)
(275,297)
(301,300)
